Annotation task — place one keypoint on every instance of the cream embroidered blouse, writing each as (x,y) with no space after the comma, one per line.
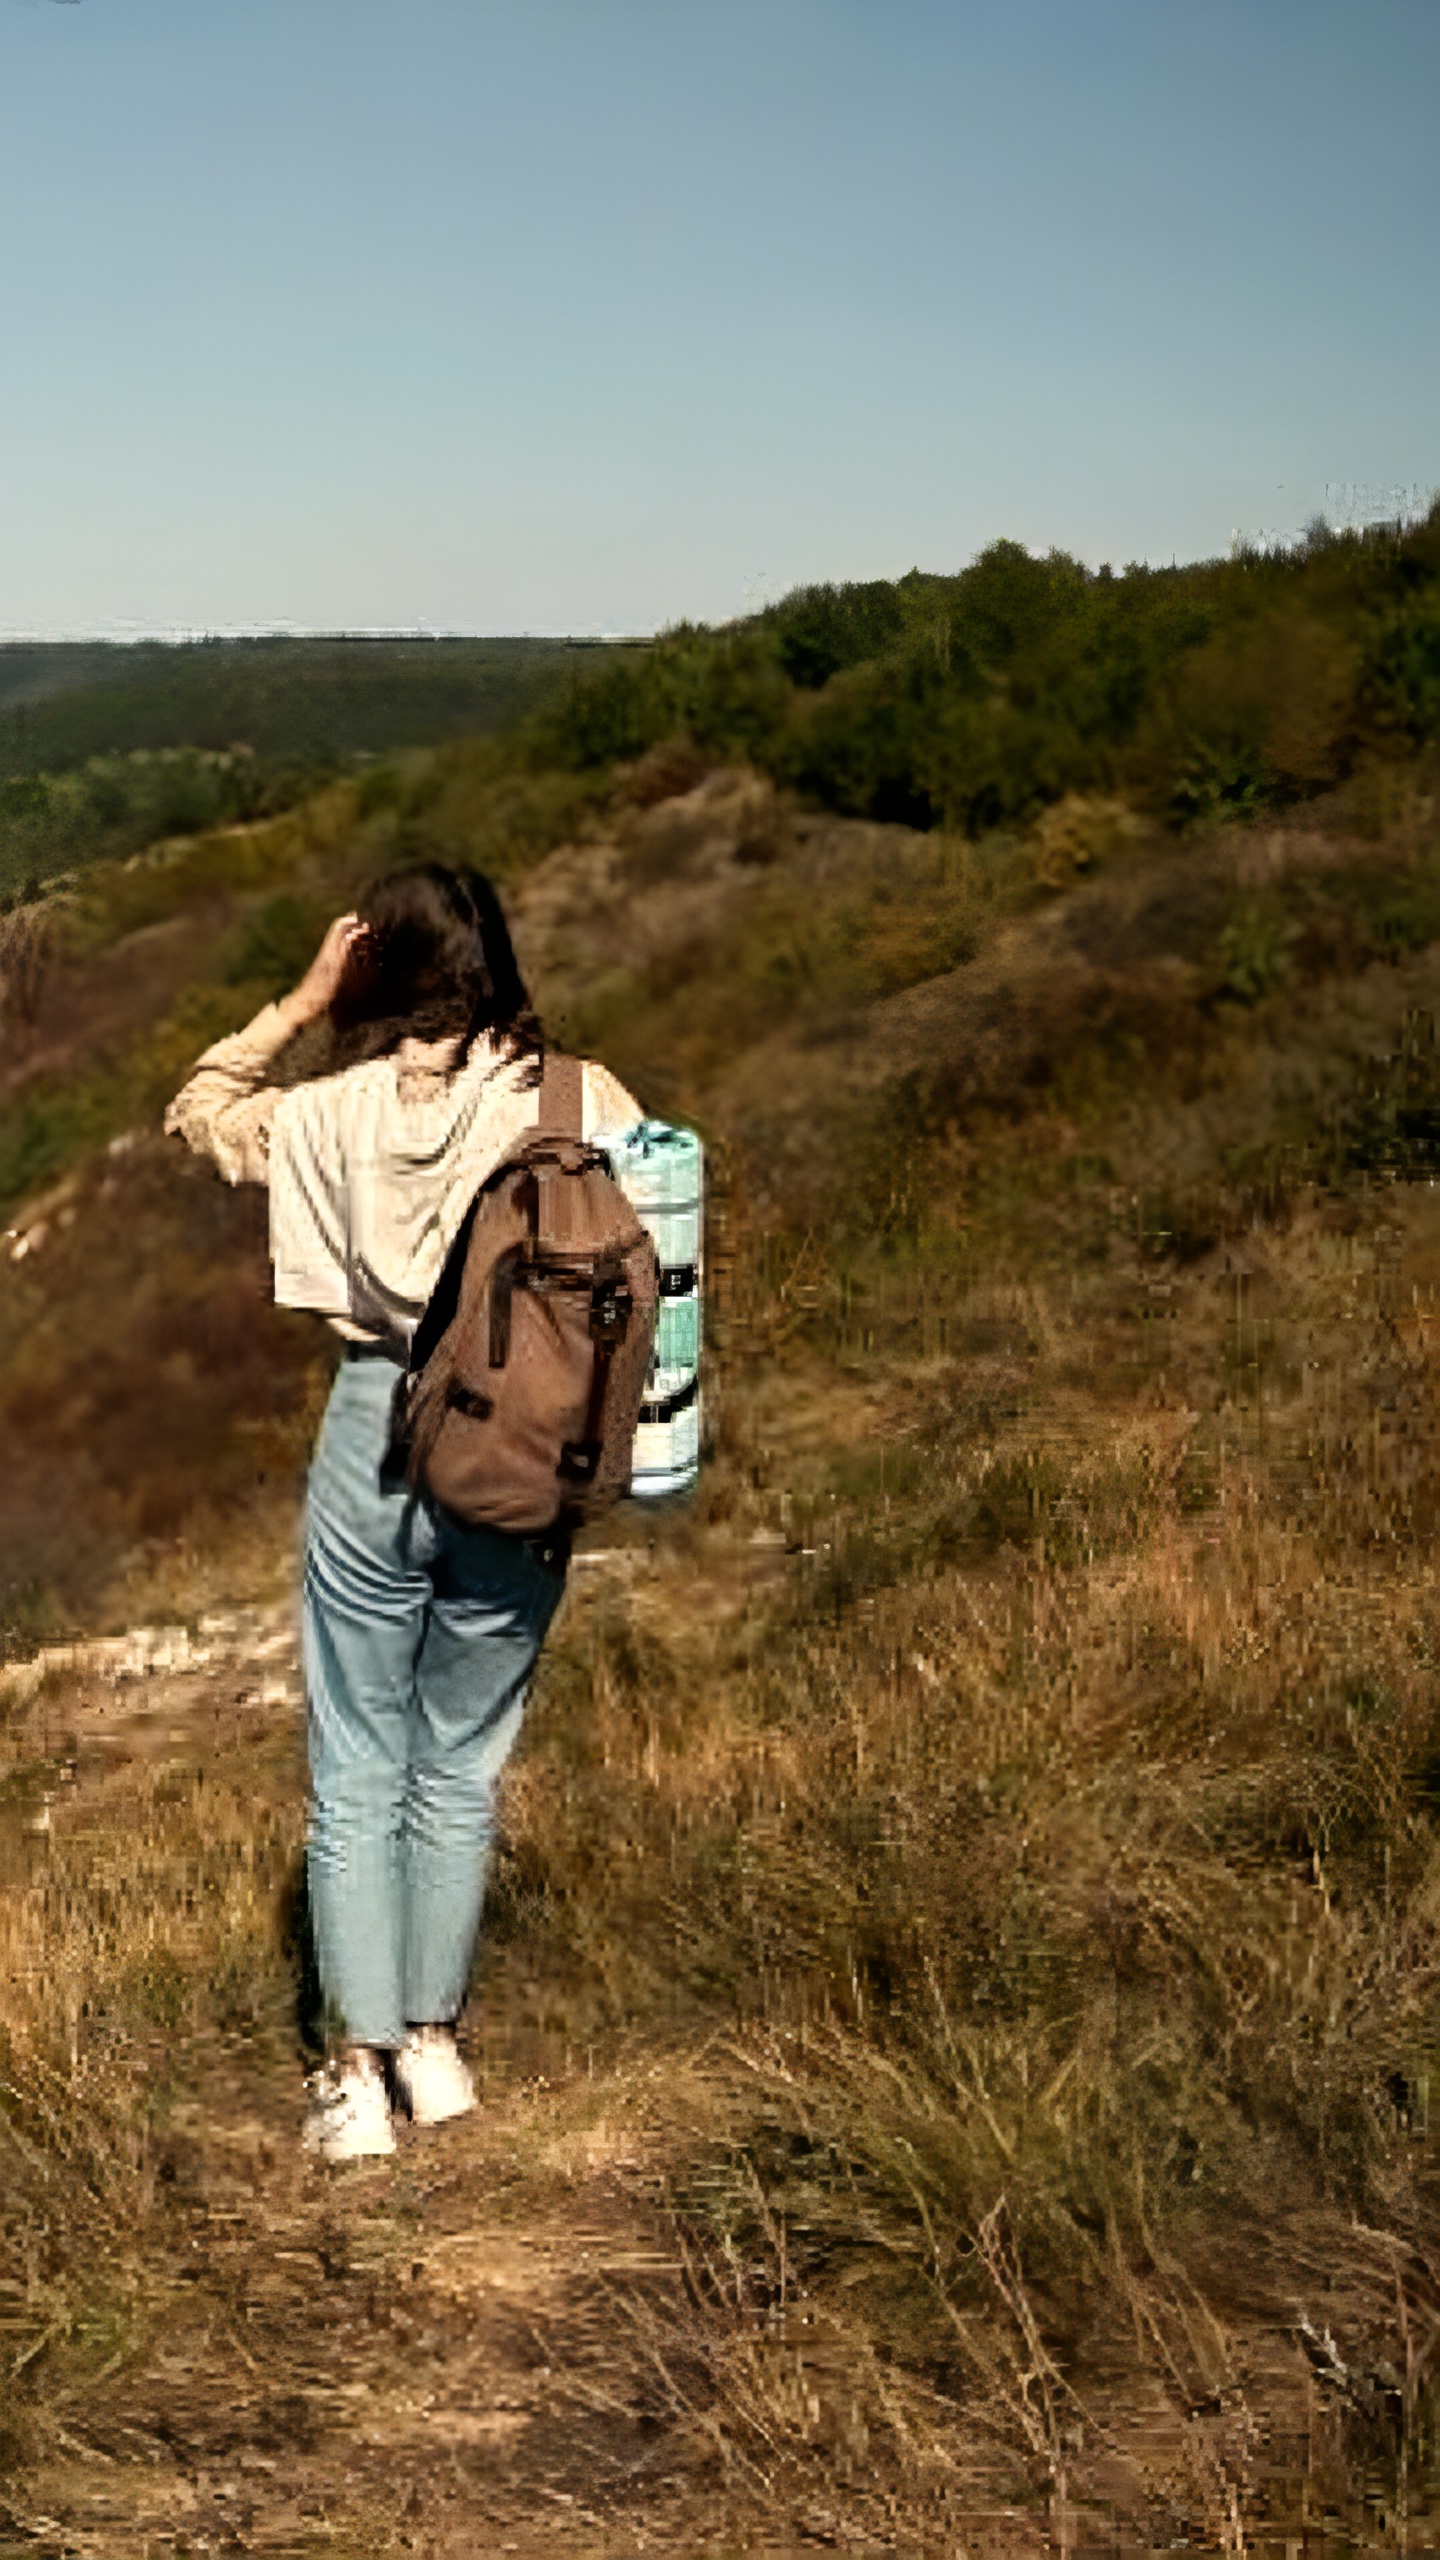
(371,1170)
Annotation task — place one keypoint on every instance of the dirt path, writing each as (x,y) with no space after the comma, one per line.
(363,2359)
(486,2345)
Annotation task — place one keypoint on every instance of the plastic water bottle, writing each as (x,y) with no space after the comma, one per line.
(661,1170)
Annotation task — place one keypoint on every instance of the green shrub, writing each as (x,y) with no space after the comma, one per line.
(119,804)
(1210,693)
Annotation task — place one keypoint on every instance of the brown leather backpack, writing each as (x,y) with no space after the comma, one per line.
(528,1367)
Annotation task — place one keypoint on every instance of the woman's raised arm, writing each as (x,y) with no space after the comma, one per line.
(225,1110)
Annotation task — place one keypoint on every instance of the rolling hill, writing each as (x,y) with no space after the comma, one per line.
(960,1998)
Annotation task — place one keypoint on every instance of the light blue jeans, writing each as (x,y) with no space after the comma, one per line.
(420,1636)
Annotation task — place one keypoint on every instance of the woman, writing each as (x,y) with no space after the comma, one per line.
(420,1634)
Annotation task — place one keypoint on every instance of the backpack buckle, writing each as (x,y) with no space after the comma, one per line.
(579,1460)
(611,1307)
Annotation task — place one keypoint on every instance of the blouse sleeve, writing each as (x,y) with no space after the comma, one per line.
(226,1109)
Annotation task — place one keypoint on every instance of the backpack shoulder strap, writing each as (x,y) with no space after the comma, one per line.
(444,1298)
(562,1096)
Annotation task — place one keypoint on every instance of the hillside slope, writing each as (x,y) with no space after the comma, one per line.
(960,1994)
(311,699)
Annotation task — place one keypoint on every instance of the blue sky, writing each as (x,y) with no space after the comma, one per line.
(581,315)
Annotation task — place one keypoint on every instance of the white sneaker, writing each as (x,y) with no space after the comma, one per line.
(349,2111)
(431,2078)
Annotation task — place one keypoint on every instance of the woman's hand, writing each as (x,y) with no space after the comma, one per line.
(344,945)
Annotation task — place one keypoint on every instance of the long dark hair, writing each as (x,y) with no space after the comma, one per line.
(439,965)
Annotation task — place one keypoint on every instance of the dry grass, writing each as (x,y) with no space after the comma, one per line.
(978,1977)
(959,2005)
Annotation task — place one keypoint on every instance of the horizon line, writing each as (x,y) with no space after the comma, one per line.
(182,635)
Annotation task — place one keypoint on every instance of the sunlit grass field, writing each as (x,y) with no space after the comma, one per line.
(958,2010)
